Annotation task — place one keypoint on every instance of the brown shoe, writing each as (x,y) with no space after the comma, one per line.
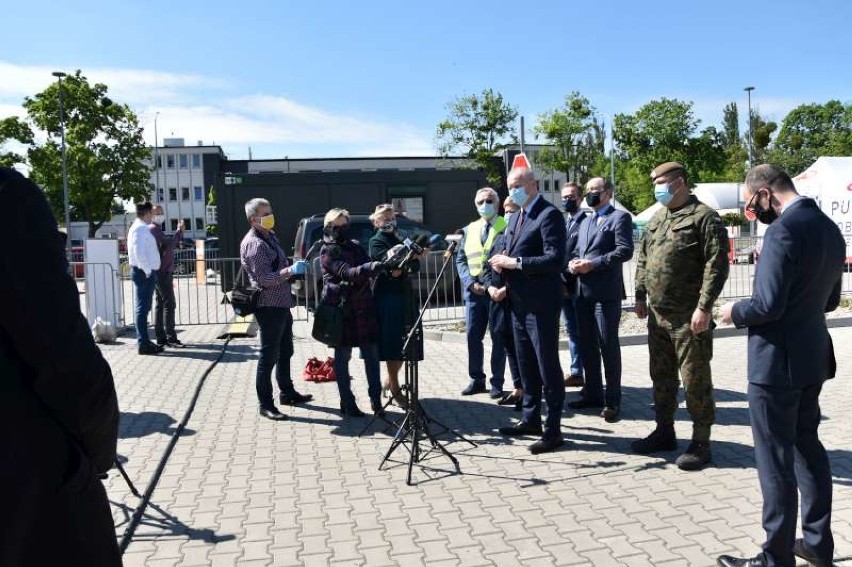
(574,381)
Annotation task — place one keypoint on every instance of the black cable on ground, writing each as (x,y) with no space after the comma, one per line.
(149,490)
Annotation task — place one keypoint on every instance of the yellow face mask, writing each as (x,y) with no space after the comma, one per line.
(267,222)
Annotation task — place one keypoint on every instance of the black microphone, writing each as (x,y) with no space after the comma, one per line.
(453,240)
(434,240)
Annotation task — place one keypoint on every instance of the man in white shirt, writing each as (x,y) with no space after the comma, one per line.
(144,257)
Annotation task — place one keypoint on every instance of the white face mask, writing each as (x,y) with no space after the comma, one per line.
(159,219)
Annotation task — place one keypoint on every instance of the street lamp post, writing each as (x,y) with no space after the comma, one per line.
(59,75)
(750,132)
(611,151)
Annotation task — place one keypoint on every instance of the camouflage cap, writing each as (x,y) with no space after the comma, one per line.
(665,168)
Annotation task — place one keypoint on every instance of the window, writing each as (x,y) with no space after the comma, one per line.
(187,224)
(172,193)
(170,162)
(199,193)
(196,160)
(546,185)
(160,194)
(174,224)
(184,193)
(182,160)
(199,223)
(159,162)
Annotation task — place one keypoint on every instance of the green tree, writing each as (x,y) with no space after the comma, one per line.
(106,155)
(810,131)
(761,136)
(736,153)
(477,127)
(664,130)
(576,137)
(13,129)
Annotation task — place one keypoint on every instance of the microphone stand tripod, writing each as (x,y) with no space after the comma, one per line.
(415,427)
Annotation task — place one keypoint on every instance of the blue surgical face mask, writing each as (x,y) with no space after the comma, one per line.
(486,210)
(662,193)
(508,216)
(519,196)
(388,227)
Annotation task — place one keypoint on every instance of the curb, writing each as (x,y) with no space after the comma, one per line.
(627,340)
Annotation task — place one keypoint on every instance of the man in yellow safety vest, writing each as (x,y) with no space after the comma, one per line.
(472,254)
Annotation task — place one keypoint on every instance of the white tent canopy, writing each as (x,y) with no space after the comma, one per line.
(829,181)
(724,197)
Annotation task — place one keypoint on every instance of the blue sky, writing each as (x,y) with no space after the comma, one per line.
(335,78)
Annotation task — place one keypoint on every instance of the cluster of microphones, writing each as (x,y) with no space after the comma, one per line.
(400,254)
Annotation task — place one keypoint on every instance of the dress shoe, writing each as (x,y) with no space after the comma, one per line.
(377,407)
(583,403)
(802,551)
(661,439)
(495,393)
(695,457)
(509,399)
(611,414)
(175,343)
(475,387)
(273,414)
(574,381)
(150,348)
(728,561)
(522,429)
(294,398)
(546,445)
(350,410)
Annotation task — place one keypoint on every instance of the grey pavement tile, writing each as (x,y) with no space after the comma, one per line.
(240,490)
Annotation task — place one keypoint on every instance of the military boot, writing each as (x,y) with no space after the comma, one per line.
(695,457)
(661,439)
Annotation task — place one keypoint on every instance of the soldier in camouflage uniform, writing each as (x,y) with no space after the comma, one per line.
(682,266)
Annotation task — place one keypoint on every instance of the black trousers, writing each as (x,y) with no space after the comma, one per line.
(164,309)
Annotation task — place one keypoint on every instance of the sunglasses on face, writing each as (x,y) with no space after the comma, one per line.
(489,201)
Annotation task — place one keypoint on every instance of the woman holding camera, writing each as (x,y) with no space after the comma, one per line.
(394,299)
(346,276)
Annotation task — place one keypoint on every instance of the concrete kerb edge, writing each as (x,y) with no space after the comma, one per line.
(626,340)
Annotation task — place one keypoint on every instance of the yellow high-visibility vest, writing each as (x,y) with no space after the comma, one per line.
(474,250)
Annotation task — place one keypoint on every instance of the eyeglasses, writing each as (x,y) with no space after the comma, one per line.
(489,201)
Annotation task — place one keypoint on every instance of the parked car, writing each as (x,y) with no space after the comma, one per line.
(309,233)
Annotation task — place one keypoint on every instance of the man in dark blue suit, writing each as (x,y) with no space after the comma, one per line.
(571,195)
(790,355)
(531,263)
(605,242)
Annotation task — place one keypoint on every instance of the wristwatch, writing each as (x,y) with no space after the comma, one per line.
(520,262)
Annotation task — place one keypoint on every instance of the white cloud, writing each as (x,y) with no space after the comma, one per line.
(187,106)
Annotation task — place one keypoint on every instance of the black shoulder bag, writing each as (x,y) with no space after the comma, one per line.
(243,297)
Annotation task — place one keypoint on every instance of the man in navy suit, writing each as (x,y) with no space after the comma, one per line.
(531,263)
(604,243)
(790,355)
(571,195)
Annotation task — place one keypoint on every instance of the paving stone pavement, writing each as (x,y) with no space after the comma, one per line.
(242,490)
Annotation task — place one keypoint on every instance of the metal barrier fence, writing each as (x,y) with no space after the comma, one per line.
(198,285)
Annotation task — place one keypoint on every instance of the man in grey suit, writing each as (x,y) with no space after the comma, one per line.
(790,355)
(605,242)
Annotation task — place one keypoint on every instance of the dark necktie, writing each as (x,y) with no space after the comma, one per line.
(485,230)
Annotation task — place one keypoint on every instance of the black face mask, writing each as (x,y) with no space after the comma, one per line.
(339,233)
(593,199)
(569,205)
(765,215)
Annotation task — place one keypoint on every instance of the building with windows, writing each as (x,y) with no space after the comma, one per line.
(182,178)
